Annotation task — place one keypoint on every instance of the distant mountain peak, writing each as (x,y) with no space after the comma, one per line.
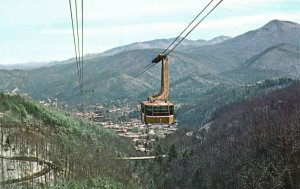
(218,39)
(279,24)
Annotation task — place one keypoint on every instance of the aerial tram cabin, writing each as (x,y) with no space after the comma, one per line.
(157,109)
(157,112)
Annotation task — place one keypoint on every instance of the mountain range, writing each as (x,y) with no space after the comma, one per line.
(164,43)
(241,48)
(196,67)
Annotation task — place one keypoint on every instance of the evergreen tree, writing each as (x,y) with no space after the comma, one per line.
(286,180)
(172,153)
(198,180)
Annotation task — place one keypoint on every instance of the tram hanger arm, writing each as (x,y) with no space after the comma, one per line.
(158,58)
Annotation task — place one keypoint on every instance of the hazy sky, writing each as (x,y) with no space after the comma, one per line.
(40,30)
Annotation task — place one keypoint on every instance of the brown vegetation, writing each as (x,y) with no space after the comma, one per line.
(252,144)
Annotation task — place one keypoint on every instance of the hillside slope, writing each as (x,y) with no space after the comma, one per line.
(250,144)
(110,77)
(47,146)
(282,57)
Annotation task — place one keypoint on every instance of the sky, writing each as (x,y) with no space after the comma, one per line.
(41,30)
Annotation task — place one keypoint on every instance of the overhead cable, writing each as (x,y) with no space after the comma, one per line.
(187,27)
(167,51)
(77,41)
(74,38)
(81,45)
(194,27)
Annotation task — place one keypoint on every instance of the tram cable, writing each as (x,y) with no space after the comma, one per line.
(74,38)
(188,26)
(77,41)
(143,70)
(194,27)
(81,44)
(168,50)
(78,46)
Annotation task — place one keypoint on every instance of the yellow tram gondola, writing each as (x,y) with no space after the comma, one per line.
(157,112)
(158,109)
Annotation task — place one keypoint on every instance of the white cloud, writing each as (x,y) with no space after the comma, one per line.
(242,3)
(139,8)
(174,28)
(120,29)
(249,20)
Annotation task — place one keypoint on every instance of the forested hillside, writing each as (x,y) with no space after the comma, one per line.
(202,107)
(46,146)
(251,144)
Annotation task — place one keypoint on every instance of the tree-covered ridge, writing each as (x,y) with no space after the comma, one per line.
(77,148)
(250,144)
(201,108)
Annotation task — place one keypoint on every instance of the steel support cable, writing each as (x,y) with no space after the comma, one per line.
(148,68)
(188,26)
(144,70)
(82,44)
(74,38)
(194,27)
(78,42)
(78,52)
(151,65)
